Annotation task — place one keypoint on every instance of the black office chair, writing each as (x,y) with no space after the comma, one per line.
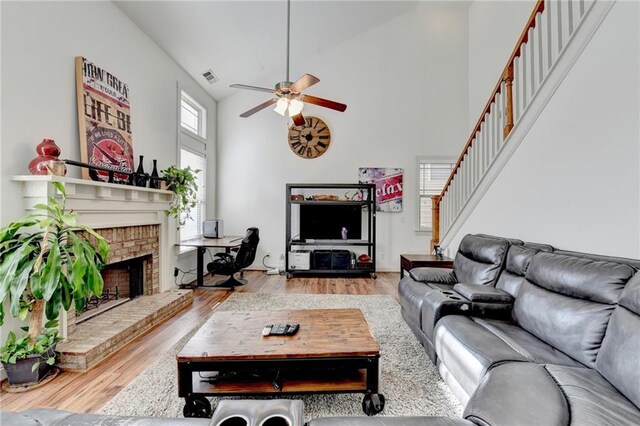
(226,264)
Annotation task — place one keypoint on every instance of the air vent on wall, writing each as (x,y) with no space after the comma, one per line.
(210,76)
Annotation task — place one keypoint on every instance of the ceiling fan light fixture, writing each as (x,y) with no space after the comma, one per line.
(295,107)
(281,106)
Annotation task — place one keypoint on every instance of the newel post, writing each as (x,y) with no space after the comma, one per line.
(435,221)
(508,79)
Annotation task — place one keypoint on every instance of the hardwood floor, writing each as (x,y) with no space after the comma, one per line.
(87,392)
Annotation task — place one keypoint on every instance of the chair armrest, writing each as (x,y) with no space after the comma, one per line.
(482,293)
(226,256)
(433,275)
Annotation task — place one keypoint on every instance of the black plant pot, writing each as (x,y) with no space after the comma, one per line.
(20,373)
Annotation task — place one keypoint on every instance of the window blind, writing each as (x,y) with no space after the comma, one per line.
(432,178)
(192,226)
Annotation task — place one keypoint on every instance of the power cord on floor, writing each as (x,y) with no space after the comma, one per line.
(177,271)
(264,263)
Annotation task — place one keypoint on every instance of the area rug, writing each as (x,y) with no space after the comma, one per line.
(409,380)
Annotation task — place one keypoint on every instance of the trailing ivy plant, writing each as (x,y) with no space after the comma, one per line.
(43,345)
(47,262)
(184,185)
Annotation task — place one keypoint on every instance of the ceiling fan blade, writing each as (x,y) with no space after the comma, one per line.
(258,108)
(298,120)
(303,82)
(260,89)
(323,102)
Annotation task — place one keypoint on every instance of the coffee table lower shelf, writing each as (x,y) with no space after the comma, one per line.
(199,379)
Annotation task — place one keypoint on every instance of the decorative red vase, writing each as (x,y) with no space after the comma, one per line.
(47,160)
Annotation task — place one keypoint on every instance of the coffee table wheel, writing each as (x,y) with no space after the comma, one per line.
(373,403)
(374,275)
(197,406)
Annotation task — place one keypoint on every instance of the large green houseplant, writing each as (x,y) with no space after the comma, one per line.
(47,263)
(184,184)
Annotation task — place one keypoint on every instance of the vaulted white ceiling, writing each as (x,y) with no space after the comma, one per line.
(244,41)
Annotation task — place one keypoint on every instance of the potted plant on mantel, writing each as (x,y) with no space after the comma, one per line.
(184,185)
(47,263)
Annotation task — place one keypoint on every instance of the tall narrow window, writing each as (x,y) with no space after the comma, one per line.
(191,228)
(432,176)
(192,140)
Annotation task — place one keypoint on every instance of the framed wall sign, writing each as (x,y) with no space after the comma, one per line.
(388,183)
(104,121)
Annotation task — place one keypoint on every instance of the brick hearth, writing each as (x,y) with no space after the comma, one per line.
(94,339)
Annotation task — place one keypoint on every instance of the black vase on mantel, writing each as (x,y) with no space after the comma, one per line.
(154,182)
(141,176)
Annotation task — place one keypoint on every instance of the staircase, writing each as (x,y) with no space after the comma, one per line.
(553,38)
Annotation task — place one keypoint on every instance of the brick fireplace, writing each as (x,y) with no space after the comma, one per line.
(131,218)
(133,269)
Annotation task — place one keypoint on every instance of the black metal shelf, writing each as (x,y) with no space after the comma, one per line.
(333,243)
(369,206)
(334,202)
(331,271)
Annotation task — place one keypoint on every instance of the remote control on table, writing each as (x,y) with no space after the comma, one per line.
(280,329)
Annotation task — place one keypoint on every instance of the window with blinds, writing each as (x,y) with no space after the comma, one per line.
(196,161)
(432,176)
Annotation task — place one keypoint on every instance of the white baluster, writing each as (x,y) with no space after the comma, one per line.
(495,123)
(539,31)
(550,21)
(569,17)
(515,90)
(531,58)
(503,111)
(559,22)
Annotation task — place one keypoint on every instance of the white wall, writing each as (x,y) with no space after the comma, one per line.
(39,43)
(405,83)
(574,182)
(494,28)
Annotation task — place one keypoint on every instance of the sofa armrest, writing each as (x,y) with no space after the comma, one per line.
(433,275)
(518,393)
(437,304)
(482,293)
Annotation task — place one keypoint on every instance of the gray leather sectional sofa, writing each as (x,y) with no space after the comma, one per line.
(523,333)
(528,334)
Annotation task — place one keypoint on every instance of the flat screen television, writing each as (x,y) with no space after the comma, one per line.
(325,222)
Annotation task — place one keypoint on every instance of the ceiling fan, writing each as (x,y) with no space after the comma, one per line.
(289,97)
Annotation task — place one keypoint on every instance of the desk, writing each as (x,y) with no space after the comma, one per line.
(202,244)
(410,261)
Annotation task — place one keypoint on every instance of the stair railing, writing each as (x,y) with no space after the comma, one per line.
(546,33)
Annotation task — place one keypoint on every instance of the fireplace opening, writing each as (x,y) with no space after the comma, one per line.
(123,281)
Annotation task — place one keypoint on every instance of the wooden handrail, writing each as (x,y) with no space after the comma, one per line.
(504,77)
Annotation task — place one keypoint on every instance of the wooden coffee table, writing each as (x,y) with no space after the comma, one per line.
(333,352)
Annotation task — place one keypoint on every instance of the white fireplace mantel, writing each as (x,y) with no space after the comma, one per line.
(109,205)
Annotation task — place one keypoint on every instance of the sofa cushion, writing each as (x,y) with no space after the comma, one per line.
(51,417)
(516,265)
(518,393)
(479,259)
(469,347)
(619,357)
(390,421)
(592,400)
(567,302)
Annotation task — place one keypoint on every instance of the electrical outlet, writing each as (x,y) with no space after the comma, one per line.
(175,272)
(268,254)
(281,256)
